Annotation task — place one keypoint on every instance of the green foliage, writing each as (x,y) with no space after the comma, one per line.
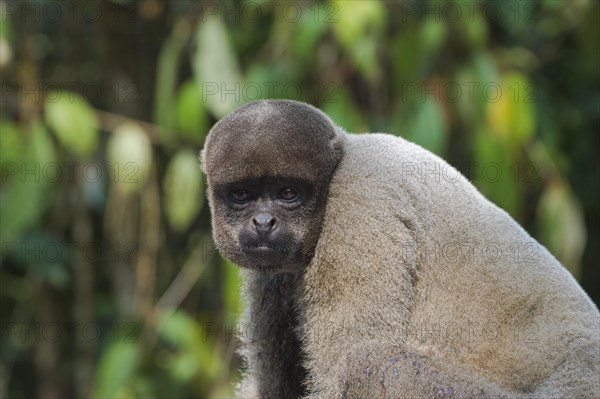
(191,353)
(512,115)
(493,158)
(191,116)
(23,199)
(183,190)
(116,367)
(130,155)
(508,92)
(427,127)
(73,121)
(166,82)
(361,37)
(562,226)
(215,66)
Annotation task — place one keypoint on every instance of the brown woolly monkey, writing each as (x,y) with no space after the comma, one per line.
(373,269)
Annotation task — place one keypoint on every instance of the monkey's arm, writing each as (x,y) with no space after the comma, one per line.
(360,293)
(270,346)
(373,370)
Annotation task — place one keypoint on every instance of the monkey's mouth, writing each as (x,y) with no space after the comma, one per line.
(266,253)
(268,256)
(265,248)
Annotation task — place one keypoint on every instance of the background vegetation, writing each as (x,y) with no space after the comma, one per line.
(110,285)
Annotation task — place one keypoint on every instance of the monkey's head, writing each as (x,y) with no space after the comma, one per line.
(269,165)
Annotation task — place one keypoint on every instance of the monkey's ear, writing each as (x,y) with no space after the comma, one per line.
(339,141)
(203,160)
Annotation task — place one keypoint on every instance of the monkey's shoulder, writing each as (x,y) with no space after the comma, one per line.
(389,167)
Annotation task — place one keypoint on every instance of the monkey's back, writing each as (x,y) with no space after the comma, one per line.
(461,280)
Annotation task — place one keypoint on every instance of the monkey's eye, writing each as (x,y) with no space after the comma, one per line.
(287,194)
(240,195)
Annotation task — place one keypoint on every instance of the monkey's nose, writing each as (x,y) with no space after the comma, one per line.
(263,222)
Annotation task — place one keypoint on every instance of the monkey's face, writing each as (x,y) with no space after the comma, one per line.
(267,224)
(269,165)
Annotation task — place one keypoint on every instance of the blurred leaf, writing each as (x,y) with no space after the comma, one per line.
(512,114)
(309,30)
(13,143)
(360,23)
(117,366)
(474,28)
(465,106)
(178,328)
(357,18)
(428,128)
(263,78)
(477,82)
(23,199)
(407,56)
(6,27)
(192,354)
(562,226)
(272,80)
(166,76)
(492,160)
(365,57)
(216,68)
(184,367)
(73,121)
(191,116)
(341,108)
(485,69)
(433,34)
(129,155)
(183,190)
(413,48)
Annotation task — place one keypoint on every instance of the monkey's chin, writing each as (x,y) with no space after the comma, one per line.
(268,258)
